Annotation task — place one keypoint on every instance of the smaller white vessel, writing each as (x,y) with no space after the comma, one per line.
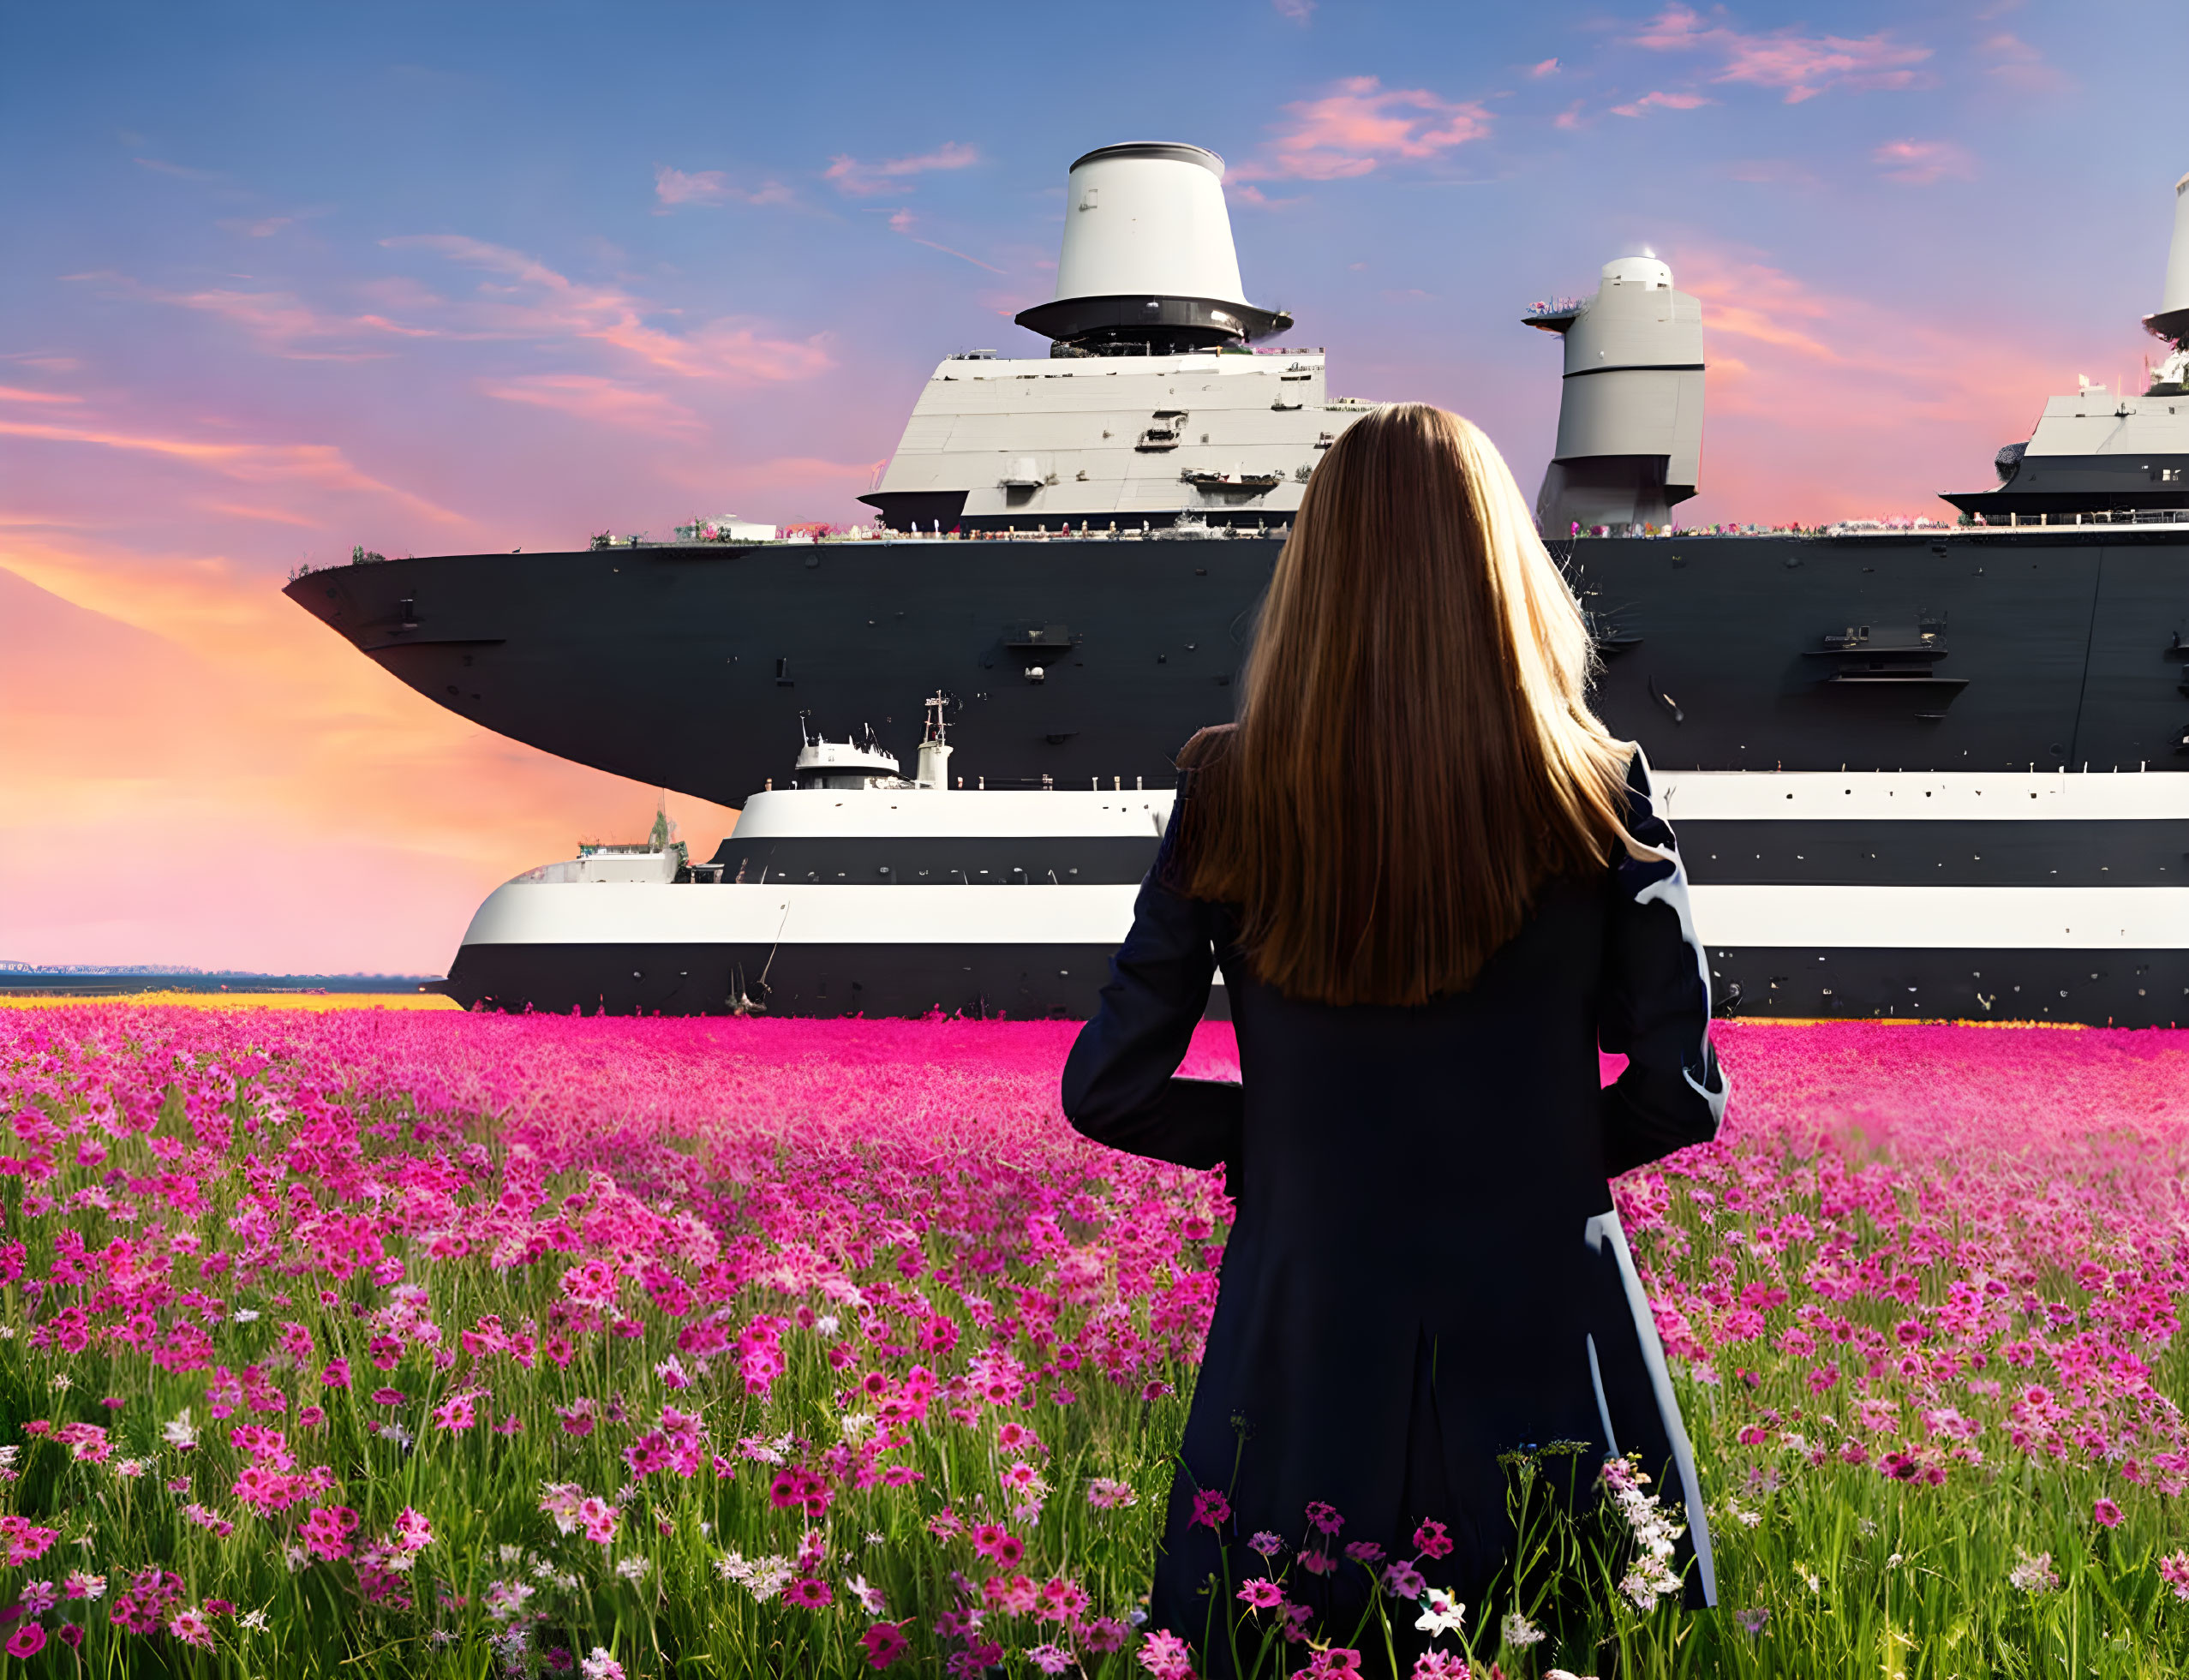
(857,890)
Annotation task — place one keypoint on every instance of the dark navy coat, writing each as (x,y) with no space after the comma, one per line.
(1424,1269)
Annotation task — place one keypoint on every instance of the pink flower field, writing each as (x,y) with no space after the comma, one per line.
(376,1343)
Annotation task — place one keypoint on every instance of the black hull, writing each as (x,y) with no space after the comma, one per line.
(2093,988)
(2101,987)
(1018,982)
(686,667)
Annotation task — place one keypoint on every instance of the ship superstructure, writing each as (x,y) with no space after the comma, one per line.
(1629,444)
(1150,405)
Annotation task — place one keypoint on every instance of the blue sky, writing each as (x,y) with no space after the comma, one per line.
(281,279)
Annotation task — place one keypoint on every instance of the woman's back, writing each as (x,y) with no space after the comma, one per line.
(1435,888)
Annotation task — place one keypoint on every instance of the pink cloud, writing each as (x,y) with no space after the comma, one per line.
(1245,192)
(1548,67)
(281,322)
(1361,125)
(264,229)
(272,515)
(320,465)
(599,402)
(2015,63)
(862,180)
(1803,65)
(1661,102)
(1569,119)
(1920,162)
(538,303)
(674,187)
(1298,10)
(1796,374)
(9,393)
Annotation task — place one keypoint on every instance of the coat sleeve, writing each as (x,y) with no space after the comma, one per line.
(1655,1007)
(1119,1084)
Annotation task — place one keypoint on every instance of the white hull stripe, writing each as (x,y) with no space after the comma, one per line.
(2110,919)
(1852,918)
(1916,796)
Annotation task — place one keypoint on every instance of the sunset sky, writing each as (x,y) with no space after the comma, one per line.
(280,279)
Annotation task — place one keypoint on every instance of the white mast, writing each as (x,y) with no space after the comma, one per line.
(934,749)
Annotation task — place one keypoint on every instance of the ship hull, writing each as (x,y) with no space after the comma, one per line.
(687,667)
(2029,896)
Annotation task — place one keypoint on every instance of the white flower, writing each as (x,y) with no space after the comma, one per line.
(1809,1578)
(601,1666)
(855,1424)
(510,1556)
(63,1381)
(1441,1613)
(1519,1632)
(245,1315)
(869,1598)
(255,1620)
(2033,1575)
(826,1324)
(632,1569)
(180,1431)
(396,1434)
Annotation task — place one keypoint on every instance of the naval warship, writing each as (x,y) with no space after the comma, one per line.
(1919,772)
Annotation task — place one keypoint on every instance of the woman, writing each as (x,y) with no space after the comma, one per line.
(1435,885)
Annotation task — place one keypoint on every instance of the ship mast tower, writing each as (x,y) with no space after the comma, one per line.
(1148,266)
(1629,444)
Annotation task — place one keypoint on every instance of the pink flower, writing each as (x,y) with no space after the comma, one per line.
(1211,1508)
(807,1592)
(26,1641)
(1334,1663)
(190,1626)
(1440,1665)
(1431,1541)
(1265,1543)
(2106,1513)
(2174,1571)
(1404,1581)
(454,1414)
(1261,1593)
(1325,1517)
(326,1531)
(1166,1656)
(885,1642)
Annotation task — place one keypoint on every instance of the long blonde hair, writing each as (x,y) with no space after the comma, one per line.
(1415,754)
